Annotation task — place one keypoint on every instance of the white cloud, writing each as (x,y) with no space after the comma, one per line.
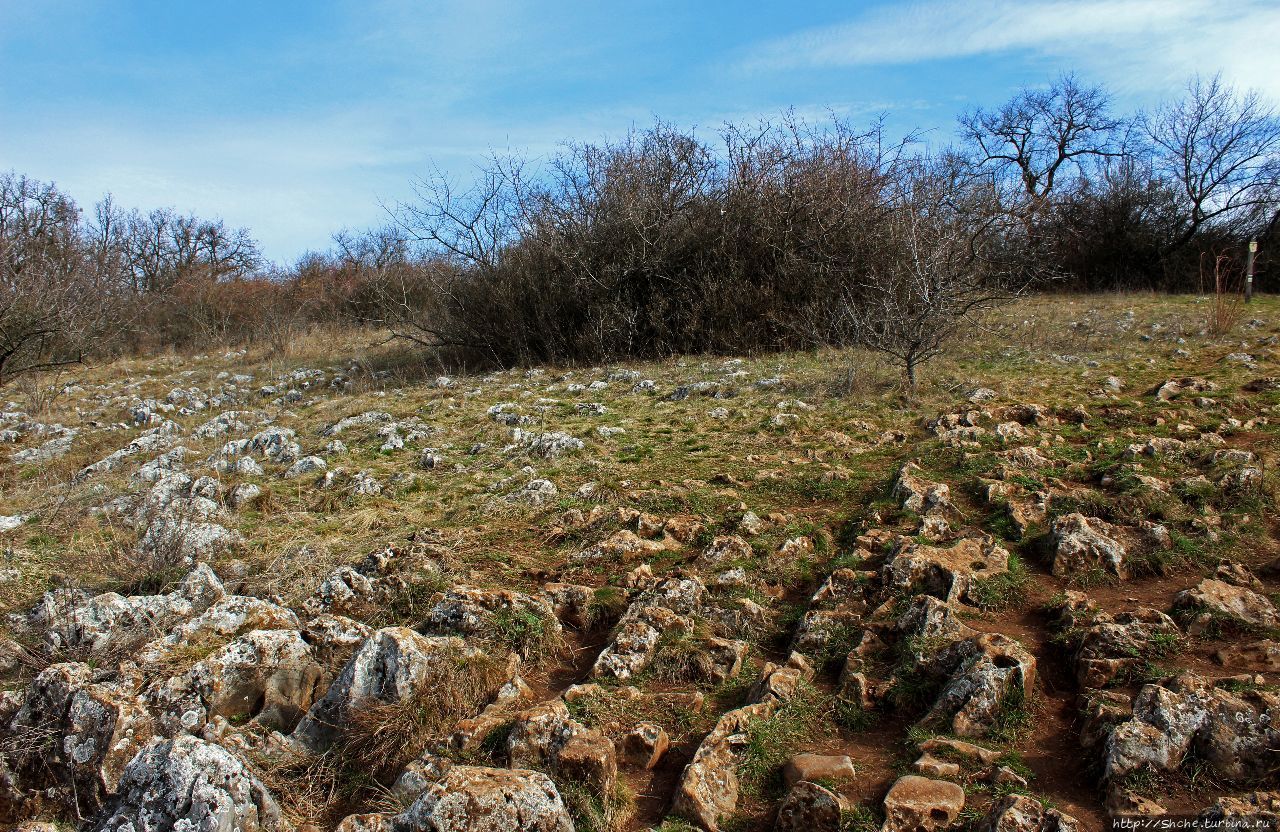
(1136,45)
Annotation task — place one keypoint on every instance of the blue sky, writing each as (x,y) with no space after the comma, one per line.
(296,119)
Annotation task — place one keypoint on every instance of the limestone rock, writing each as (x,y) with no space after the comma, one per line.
(74,736)
(944,572)
(917,494)
(1107,647)
(1260,809)
(113,622)
(269,676)
(392,665)
(987,671)
(665,607)
(818,767)
(189,784)
(479,799)
(1261,655)
(645,744)
(546,737)
(222,621)
(1234,734)
(809,807)
(1212,600)
(1020,813)
(472,611)
(1083,543)
(918,804)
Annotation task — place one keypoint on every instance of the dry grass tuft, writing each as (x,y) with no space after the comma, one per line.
(383,737)
(1228,305)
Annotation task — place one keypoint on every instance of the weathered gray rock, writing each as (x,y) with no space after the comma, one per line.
(645,745)
(809,807)
(986,673)
(1259,810)
(189,785)
(1234,734)
(478,799)
(149,440)
(1106,647)
(534,493)
(709,786)
(72,737)
(174,540)
(919,495)
(1212,602)
(549,445)
(113,622)
(244,494)
(665,607)
(268,676)
(727,548)
(1021,813)
(623,546)
(547,738)
(369,417)
(306,465)
(394,664)
(221,622)
(838,605)
(473,611)
(1081,544)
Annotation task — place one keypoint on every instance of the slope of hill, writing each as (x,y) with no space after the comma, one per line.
(336,589)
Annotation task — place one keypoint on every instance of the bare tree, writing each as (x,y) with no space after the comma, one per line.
(156,251)
(49,305)
(1040,134)
(1222,150)
(942,258)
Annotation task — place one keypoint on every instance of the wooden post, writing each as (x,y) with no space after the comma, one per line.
(1248,271)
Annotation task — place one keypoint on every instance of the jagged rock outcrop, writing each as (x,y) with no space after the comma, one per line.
(545,737)
(1235,734)
(1257,810)
(809,807)
(189,784)
(948,572)
(1107,647)
(1021,813)
(709,787)
(394,664)
(668,606)
(1212,603)
(268,676)
(838,605)
(1081,544)
(221,622)
(114,623)
(444,797)
(471,611)
(987,673)
(71,738)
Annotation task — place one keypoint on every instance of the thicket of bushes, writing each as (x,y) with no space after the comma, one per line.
(767,236)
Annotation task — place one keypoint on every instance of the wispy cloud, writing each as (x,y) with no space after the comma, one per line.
(1157,39)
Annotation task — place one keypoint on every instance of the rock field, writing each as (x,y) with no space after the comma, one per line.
(335,590)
